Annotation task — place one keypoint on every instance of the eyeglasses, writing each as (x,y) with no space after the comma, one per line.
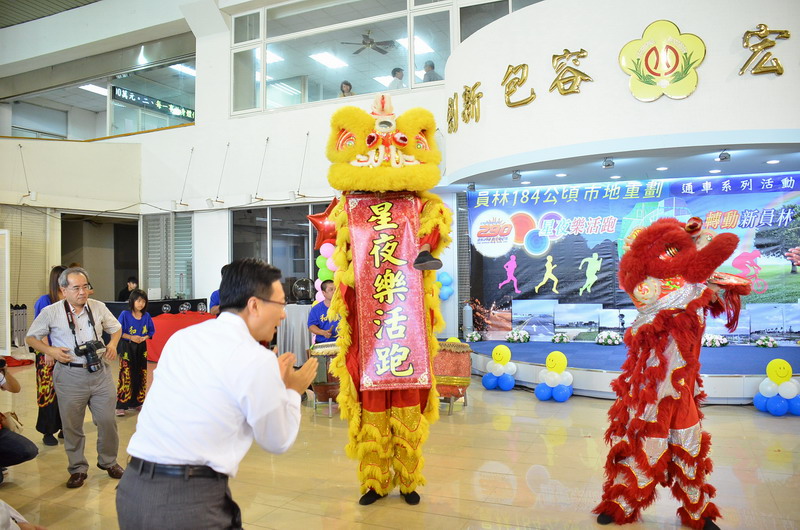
(272,301)
(78,288)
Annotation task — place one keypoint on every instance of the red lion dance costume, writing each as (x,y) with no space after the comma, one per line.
(389,234)
(654,432)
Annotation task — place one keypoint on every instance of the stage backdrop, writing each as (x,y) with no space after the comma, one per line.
(546,258)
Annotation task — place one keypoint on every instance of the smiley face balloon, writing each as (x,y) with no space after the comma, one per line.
(779,371)
(556,362)
(501,354)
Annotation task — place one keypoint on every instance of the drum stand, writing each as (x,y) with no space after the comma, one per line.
(452,399)
(325,386)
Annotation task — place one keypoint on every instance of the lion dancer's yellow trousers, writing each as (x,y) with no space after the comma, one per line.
(389,446)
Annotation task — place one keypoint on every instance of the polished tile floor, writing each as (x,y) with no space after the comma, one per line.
(505,461)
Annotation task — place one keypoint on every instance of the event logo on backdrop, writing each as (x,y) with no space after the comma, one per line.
(553,252)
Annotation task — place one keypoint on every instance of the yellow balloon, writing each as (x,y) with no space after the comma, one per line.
(501,354)
(779,371)
(556,362)
(453,339)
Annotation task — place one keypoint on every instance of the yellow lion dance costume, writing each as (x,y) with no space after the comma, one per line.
(389,234)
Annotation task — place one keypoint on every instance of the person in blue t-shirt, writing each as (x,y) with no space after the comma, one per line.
(137,327)
(318,322)
(213,300)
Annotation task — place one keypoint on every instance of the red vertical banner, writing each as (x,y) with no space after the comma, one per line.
(390,305)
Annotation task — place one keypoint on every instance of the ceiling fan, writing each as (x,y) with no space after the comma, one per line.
(369,42)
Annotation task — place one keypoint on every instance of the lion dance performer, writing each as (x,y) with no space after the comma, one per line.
(390,232)
(654,432)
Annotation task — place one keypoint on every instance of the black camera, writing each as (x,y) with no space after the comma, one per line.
(90,349)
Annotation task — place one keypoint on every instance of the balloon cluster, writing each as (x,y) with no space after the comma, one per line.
(326,267)
(444,282)
(554,381)
(778,392)
(501,370)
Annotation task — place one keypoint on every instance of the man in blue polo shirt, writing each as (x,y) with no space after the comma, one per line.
(318,322)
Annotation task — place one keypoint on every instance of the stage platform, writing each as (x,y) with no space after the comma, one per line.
(731,374)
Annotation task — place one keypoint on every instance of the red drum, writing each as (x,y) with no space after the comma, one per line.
(453,369)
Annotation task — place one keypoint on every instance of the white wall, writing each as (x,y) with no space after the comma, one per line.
(100,125)
(71,175)
(39,118)
(726,109)
(81,124)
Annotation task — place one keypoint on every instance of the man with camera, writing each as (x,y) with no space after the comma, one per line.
(14,448)
(75,326)
(215,391)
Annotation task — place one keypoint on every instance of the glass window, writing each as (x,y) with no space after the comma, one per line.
(246,28)
(290,241)
(250,234)
(431,46)
(519,4)
(427,2)
(153,98)
(301,16)
(247,79)
(474,18)
(312,68)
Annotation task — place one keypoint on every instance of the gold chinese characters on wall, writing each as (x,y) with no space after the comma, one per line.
(663,61)
(767,64)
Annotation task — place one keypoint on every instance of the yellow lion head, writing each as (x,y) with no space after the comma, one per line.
(378,152)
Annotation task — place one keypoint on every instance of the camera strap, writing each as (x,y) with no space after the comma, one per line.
(71,321)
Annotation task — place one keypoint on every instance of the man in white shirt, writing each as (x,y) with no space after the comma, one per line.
(397,79)
(83,380)
(216,389)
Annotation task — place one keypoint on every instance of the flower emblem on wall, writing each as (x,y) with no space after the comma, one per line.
(663,61)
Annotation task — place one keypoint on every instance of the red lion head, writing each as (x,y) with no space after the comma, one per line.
(671,252)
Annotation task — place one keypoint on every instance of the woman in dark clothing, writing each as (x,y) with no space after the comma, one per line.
(49,421)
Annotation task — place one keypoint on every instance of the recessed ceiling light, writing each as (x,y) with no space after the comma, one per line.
(273,58)
(662,168)
(420,46)
(715,171)
(561,174)
(773,161)
(329,60)
(525,182)
(182,68)
(384,79)
(615,177)
(96,89)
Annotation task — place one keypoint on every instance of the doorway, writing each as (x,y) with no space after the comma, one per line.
(107,247)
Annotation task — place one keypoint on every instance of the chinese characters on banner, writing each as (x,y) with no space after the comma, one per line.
(383,228)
